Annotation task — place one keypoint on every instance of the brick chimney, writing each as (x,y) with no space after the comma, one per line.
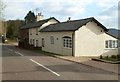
(69,19)
(39,17)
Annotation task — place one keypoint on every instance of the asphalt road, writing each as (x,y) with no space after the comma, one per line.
(20,64)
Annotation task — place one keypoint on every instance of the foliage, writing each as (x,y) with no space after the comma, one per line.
(10,30)
(114,56)
(118,56)
(13,27)
(111,58)
(3,39)
(101,57)
(30,17)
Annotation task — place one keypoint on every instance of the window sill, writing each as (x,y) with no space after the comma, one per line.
(67,48)
(111,48)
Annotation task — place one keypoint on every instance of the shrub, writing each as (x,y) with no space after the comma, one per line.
(101,57)
(118,56)
(114,56)
(106,57)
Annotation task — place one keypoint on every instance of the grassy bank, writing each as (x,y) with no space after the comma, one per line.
(49,53)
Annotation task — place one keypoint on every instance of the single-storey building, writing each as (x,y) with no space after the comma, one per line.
(84,37)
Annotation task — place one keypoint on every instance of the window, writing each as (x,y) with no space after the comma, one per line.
(43,43)
(30,31)
(33,42)
(51,39)
(36,43)
(67,42)
(112,44)
(30,41)
(36,31)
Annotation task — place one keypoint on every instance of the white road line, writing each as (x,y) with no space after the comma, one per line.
(8,48)
(15,51)
(44,67)
(19,53)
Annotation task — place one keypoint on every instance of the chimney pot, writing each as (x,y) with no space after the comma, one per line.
(39,14)
(39,17)
(69,19)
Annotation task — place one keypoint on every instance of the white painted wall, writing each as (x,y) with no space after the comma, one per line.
(37,37)
(90,41)
(57,47)
(52,21)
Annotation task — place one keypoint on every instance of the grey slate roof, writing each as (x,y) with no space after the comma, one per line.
(70,25)
(114,32)
(37,24)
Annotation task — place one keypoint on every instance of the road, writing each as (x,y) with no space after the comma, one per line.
(20,64)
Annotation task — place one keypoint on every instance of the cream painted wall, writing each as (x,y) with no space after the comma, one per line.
(37,37)
(52,21)
(90,41)
(57,47)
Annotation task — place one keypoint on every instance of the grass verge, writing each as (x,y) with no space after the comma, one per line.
(112,59)
(48,53)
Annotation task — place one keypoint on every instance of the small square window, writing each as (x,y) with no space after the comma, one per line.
(67,42)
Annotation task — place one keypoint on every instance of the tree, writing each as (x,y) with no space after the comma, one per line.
(2,24)
(2,7)
(13,27)
(30,17)
(10,31)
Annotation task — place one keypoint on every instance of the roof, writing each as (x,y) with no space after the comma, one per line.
(114,33)
(70,25)
(37,24)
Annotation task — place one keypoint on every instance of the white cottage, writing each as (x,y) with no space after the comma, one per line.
(34,34)
(85,37)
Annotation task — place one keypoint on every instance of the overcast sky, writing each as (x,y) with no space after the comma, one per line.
(105,11)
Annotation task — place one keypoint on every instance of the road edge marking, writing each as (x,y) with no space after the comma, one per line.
(19,53)
(44,67)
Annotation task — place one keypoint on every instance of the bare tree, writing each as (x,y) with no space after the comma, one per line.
(2,22)
(2,7)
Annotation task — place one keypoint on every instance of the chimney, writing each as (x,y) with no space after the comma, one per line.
(69,19)
(39,17)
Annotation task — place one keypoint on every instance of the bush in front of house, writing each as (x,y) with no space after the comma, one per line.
(111,58)
(114,56)
(101,57)
(118,56)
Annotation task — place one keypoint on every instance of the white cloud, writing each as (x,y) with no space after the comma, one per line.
(15,10)
(109,17)
(62,9)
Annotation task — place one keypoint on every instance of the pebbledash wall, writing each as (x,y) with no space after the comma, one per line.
(89,40)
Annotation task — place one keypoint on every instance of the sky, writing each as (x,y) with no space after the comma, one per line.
(105,11)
